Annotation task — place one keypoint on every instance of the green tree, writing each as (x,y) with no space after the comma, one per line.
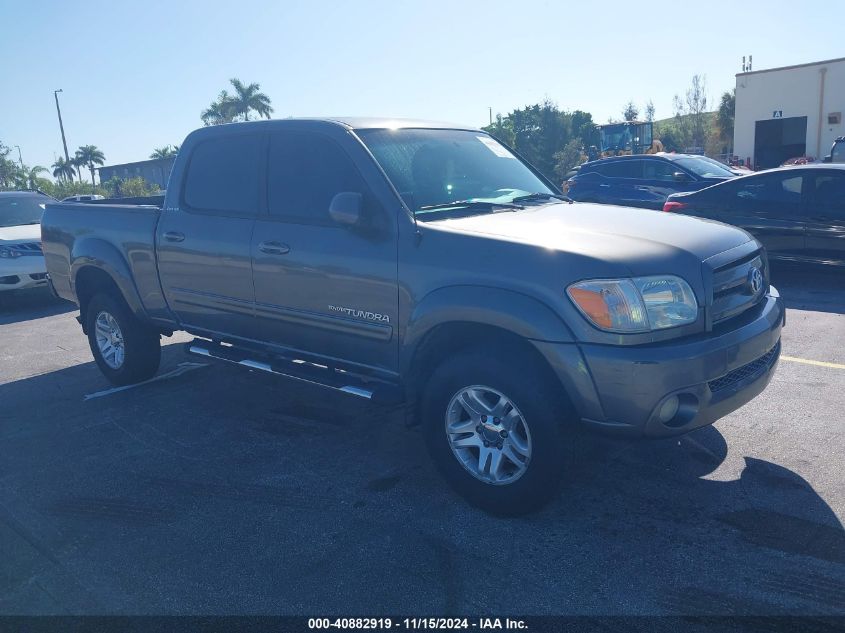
(248,98)
(649,110)
(89,156)
(63,170)
(567,158)
(501,129)
(165,152)
(631,112)
(220,111)
(691,117)
(725,116)
(30,178)
(130,188)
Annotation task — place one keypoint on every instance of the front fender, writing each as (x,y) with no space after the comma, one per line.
(520,314)
(105,256)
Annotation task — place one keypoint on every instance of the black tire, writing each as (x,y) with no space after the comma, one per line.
(141,344)
(543,409)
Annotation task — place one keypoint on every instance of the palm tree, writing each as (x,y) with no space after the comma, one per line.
(165,152)
(29,176)
(248,98)
(220,111)
(90,155)
(63,170)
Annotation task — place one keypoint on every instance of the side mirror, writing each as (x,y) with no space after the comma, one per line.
(680,176)
(827,159)
(345,208)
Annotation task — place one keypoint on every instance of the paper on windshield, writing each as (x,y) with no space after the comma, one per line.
(499,150)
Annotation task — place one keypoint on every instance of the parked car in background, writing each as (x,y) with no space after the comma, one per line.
(83,198)
(644,180)
(798,213)
(837,151)
(798,160)
(21,261)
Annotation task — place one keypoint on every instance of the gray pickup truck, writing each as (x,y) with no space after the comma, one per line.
(417,263)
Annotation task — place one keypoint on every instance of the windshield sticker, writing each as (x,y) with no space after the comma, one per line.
(499,150)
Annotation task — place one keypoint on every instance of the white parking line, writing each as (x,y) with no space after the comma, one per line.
(817,363)
(180,369)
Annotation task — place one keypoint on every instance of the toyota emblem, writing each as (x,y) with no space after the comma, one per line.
(755,280)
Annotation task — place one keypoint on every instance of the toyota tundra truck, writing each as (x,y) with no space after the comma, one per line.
(429,266)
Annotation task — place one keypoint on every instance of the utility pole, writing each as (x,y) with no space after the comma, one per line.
(20,158)
(61,126)
(491,115)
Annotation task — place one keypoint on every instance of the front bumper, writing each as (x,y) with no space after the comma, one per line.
(22,272)
(621,390)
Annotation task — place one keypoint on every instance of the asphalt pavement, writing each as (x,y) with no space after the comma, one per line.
(217,490)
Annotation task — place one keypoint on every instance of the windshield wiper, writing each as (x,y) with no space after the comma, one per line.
(541,196)
(470,204)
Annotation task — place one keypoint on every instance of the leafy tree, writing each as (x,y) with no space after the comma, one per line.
(567,158)
(29,176)
(649,111)
(631,112)
(501,129)
(9,169)
(237,106)
(692,122)
(88,156)
(247,98)
(63,170)
(725,116)
(165,152)
(220,111)
(60,190)
(130,188)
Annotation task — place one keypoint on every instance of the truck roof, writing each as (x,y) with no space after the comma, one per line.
(362,123)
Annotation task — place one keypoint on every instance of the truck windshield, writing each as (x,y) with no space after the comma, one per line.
(837,154)
(19,210)
(432,167)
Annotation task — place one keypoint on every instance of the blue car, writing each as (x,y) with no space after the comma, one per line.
(643,180)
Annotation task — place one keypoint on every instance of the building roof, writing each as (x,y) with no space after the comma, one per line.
(139,163)
(771,70)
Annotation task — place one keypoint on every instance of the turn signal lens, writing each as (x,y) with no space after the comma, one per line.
(673,206)
(610,304)
(640,304)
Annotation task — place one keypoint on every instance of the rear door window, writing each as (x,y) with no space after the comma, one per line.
(622,169)
(223,175)
(775,194)
(827,198)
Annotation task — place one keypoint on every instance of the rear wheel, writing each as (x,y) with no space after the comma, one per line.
(494,431)
(126,350)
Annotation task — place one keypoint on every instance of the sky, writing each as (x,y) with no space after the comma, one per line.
(136,75)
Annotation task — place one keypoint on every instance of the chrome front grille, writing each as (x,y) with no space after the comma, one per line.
(733,287)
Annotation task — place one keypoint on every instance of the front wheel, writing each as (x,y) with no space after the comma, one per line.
(126,350)
(494,431)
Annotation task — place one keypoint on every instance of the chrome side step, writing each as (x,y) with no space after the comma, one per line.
(212,350)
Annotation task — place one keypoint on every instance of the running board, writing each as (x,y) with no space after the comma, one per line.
(303,371)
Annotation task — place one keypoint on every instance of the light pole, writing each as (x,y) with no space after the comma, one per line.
(20,158)
(61,126)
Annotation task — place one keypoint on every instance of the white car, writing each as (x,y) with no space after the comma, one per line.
(21,261)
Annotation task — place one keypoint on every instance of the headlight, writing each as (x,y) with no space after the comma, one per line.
(8,253)
(641,304)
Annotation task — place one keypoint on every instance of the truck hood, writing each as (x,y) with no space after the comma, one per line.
(23,233)
(643,241)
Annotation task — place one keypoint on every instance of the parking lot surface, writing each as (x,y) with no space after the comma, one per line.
(217,490)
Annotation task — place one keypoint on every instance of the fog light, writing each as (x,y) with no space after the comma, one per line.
(669,409)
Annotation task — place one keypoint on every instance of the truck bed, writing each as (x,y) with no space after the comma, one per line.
(123,245)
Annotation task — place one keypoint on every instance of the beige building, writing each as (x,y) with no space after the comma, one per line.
(787,112)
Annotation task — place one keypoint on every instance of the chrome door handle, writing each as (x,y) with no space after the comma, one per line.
(173,236)
(274,248)
(605,186)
